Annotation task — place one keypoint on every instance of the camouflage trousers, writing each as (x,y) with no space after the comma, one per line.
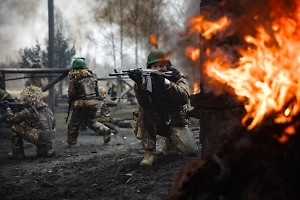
(178,139)
(35,136)
(86,114)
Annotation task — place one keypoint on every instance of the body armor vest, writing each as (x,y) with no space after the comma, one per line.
(44,118)
(86,88)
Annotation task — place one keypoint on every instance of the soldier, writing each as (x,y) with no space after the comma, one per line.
(35,124)
(103,113)
(163,111)
(84,101)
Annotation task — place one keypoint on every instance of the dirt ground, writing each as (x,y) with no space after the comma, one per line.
(90,171)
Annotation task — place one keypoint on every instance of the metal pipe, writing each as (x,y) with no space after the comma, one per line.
(12,79)
(33,70)
(54,81)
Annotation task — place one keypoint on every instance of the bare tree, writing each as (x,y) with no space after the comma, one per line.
(112,33)
(135,24)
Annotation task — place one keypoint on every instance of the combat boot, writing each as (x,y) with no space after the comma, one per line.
(49,151)
(106,136)
(149,158)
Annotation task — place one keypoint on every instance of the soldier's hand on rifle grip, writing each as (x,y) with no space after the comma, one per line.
(9,113)
(136,75)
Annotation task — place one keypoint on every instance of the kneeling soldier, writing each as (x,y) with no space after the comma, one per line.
(35,124)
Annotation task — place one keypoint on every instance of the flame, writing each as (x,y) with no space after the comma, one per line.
(196,88)
(266,75)
(267,71)
(207,28)
(192,53)
(153,39)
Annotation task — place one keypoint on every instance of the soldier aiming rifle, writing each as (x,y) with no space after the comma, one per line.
(32,121)
(161,91)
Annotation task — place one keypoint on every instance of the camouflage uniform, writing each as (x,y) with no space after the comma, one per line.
(35,124)
(103,113)
(84,98)
(164,114)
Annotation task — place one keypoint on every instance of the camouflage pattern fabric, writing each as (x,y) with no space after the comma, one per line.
(26,125)
(85,102)
(164,114)
(83,110)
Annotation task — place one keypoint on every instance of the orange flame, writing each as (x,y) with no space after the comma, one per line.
(266,75)
(192,53)
(267,72)
(196,88)
(153,39)
(207,28)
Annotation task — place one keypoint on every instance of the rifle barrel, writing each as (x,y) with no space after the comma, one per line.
(118,74)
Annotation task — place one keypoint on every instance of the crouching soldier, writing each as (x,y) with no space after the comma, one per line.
(35,124)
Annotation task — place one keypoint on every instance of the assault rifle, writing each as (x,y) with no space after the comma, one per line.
(145,72)
(14,106)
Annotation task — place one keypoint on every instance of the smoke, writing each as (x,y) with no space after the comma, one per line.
(24,22)
(19,21)
(180,42)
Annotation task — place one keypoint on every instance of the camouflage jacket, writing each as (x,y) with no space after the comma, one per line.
(35,117)
(171,104)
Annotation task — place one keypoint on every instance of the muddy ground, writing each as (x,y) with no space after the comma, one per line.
(90,171)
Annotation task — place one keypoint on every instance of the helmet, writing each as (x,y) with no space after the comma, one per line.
(78,63)
(32,95)
(157,56)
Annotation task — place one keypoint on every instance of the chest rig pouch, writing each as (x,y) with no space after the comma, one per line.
(44,118)
(86,88)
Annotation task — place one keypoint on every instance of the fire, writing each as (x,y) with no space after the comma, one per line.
(207,28)
(266,75)
(266,72)
(153,39)
(192,53)
(196,88)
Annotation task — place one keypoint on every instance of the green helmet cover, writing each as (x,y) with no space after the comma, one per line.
(157,56)
(78,62)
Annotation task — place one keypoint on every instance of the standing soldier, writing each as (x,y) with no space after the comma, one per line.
(163,111)
(84,101)
(35,124)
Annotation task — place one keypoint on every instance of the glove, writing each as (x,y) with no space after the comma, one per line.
(136,75)
(9,113)
(176,75)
